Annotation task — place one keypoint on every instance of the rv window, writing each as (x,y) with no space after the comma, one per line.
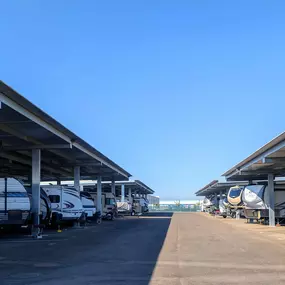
(235,193)
(54,198)
(257,189)
(110,201)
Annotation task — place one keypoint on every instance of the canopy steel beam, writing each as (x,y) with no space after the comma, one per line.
(32,117)
(42,146)
(262,171)
(278,160)
(20,135)
(28,161)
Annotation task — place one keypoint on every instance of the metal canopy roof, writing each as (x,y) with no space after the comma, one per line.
(268,159)
(24,127)
(136,186)
(216,187)
(224,186)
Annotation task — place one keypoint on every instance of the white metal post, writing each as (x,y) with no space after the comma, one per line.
(123,193)
(113,187)
(130,195)
(99,194)
(271,200)
(77,178)
(36,179)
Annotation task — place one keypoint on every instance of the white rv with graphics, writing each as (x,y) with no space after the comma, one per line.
(14,202)
(235,196)
(256,202)
(65,202)
(88,204)
(45,207)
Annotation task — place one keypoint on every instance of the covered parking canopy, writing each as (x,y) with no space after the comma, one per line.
(266,163)
(24,127)
(35,147)
(134,187)
(268,159)
(118,188)
(219,187)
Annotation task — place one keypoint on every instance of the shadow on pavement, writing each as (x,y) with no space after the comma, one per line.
(159,214)
(121,252)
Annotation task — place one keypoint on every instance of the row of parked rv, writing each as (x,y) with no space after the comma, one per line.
(250,201)
(61,204)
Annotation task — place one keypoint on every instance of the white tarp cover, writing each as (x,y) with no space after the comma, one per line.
(124,206)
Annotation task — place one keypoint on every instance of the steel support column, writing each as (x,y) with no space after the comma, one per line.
(271,200)
(130,195)
(77,178)
(123,193)
(99,194)
(216,199)
(36,179)
(113,187)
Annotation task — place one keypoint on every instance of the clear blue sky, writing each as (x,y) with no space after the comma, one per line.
(176,92)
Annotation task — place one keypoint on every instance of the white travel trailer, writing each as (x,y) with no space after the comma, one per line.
(207,203)
(88,204)
(45,207)
(14,202)
(256,201)
(65,202)
(235,196)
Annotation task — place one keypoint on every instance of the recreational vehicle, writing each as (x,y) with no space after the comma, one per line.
(109,206)
(45,207)
(207,203)
(136,206)
(125,208)
(236,205)
(140,205)
(235,196)
(88,204)
(223,207)
(14,203)
(256,202)
(65,202)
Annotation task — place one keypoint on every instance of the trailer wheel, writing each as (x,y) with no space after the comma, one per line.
(111,217)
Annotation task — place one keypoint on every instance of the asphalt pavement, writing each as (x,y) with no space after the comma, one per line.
(187,248)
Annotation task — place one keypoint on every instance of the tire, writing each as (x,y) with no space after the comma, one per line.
(224,217)
(99,221)
(111,217)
